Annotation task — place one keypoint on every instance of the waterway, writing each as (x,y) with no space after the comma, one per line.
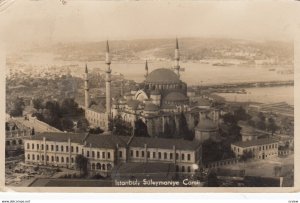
(263,95)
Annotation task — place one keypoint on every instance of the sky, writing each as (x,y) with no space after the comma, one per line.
(50,21)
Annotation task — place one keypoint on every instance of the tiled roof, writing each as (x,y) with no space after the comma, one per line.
(106,141)
(164,143)
(255,142)
(60,137)
(110,141)
(175,96)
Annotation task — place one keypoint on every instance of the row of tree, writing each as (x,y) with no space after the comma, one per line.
(57,114)
(121,127)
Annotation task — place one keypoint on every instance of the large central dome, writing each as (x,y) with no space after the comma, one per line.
(162,76)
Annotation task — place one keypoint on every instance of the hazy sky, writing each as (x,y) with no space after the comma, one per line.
(46,21)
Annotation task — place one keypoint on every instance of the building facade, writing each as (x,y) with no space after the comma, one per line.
(259,149)
(104,152)
(161,99)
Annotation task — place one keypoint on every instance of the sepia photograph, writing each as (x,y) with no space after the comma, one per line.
(150,94)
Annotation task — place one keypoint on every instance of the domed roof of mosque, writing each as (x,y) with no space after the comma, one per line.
(206,125)
(175,96)
(151,107)
(162,76)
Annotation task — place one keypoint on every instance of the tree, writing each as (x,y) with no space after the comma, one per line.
(18,106)
(261,125)
(96,130)
(183,126)
(246,155)
(167,131)
(119,127)
(172,125)
(229,119)
(271,126)
(233,128)
(69,106)
(82,124)
(67,124)
(140,128)
(38,103)
(240,114)
(212,180)
(81,163)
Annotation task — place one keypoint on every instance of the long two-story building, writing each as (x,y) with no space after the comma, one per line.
(260,148)
(105,151)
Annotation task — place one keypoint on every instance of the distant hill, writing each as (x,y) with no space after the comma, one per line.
(163,49)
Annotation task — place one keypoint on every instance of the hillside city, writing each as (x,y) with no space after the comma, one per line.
(72,123)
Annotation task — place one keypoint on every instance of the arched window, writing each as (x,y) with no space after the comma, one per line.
(20,141)
(109,167)
(93,166)
(103,167)
(98,166)
(67,160)
(52,158)
(28,156)
(182,168)
(33,157)
(72,160)
(62,160)
(42,157)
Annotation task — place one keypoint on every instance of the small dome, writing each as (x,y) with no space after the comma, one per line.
(206,125)
(162,76)
(203,102)
(151,107)
(175,96)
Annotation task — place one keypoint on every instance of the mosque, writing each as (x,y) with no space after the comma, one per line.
(160,102)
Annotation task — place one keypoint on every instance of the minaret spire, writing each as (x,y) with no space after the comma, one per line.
(177,58)
(108,85)
(146,68)
(86,89)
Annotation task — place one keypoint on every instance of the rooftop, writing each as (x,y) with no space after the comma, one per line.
(162,76)
(164,143)
(111,141)
(175,96)
(257,142)
(60,136)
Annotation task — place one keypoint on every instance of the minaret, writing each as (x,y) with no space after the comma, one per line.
(146,69)
(107,82)
(86,89)
(177,66)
